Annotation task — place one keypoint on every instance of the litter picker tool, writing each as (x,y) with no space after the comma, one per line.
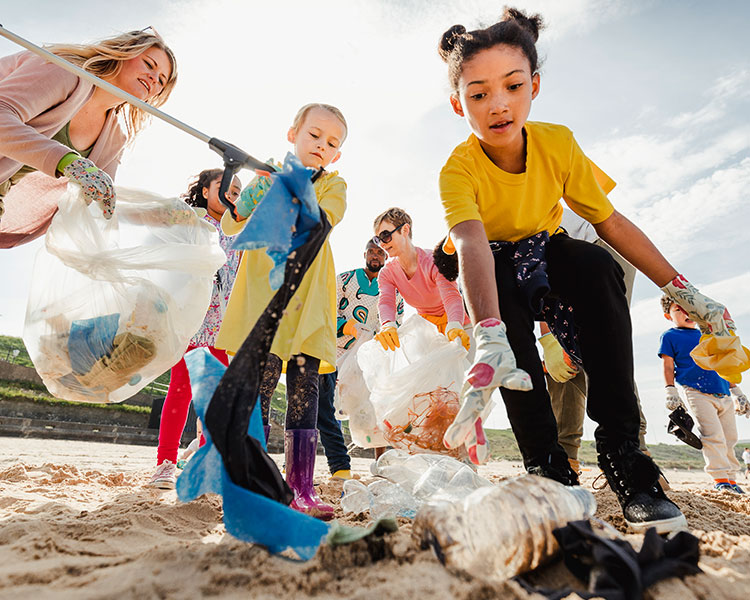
(234,158)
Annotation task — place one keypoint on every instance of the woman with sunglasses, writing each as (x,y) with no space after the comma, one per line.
(413,273)
(53,122)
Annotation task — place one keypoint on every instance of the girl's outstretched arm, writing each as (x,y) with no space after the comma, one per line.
(477,269)
(620,233)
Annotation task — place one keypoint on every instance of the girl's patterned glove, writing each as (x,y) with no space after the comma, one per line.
(711,316)
(494,366)
(96,184)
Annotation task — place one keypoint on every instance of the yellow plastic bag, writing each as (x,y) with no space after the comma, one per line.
(724,354)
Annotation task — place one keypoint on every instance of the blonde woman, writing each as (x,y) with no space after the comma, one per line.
(53,122)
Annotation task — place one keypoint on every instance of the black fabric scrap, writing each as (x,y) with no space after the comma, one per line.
(613,569)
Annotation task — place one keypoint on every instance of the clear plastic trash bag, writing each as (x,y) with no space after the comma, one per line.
(352,399)
(415,389)
(114,303)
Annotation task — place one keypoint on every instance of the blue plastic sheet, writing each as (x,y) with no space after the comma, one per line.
(282,221)
(247,516)
(90,340)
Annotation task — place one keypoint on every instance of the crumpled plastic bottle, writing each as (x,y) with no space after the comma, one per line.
(408,481)
(382,498)
(502,530)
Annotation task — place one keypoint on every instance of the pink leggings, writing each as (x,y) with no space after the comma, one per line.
(176,406)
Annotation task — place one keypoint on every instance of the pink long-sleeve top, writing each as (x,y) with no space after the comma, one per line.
(427,290)
(37,99)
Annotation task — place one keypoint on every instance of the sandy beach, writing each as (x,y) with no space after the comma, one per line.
(77,522)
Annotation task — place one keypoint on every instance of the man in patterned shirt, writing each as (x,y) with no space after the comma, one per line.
(357,297)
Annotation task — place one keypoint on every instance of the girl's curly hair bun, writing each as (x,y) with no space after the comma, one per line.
(449,40)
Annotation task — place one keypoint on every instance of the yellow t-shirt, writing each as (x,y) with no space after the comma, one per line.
(514,206)
(309,322)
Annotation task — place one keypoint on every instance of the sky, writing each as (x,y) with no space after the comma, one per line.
(657,93)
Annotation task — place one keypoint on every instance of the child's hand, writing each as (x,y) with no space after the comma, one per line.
(711,316)
(388,337)
(556,360)
(741,404)
(494,366)
(673,401)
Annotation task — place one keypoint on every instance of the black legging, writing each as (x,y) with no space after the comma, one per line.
(301,390)
(588,278)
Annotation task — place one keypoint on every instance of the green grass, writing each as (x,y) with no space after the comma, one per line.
(31,392)
(8,344)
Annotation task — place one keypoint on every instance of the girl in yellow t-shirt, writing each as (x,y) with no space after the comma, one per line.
(500,190)
(306,337)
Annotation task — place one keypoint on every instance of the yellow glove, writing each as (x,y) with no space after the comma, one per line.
(350,328)
(558,363)
(388,337)
(454,330)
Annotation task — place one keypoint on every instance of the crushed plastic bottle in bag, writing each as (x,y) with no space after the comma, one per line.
(408,481)
(502,530)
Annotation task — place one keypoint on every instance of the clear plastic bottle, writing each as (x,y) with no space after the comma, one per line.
(389,499)
(382,498)
(356,498)
(447,479)
(502,530)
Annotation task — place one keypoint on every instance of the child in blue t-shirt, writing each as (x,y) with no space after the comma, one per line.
(707,394)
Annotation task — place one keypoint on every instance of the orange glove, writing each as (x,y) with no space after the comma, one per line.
(454,330)
(350,328)
(388,337)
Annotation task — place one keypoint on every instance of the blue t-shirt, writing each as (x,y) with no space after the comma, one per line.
(677,343)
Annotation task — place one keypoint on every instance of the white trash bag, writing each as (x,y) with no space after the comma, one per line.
(352,399)
(114,303)
(415,389)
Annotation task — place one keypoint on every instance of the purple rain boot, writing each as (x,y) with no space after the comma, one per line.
(267,431)
(299,450)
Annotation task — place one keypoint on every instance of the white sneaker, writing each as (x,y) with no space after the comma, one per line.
(164,478)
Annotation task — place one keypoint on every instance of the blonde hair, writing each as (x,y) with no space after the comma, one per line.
(396,216)
(302,113)
(104,59)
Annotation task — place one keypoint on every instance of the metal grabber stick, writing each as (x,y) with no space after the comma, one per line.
(234,158)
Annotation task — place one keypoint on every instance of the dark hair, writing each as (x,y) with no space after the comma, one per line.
(194,196)
(447,264)
(514,29)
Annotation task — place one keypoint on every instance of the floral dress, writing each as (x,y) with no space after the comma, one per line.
(223,282)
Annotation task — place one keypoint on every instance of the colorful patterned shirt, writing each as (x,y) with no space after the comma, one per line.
(223,281)
(357,298)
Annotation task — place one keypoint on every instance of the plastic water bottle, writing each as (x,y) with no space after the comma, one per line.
(502,530)
(356,498)
(391,500)
(447,479)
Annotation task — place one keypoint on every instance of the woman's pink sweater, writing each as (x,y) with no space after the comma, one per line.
(37,99)
(427,290)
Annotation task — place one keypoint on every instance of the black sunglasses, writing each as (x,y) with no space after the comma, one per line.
(386,236)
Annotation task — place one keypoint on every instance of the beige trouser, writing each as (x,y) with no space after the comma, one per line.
(569,399)
(569,405)
(718,432)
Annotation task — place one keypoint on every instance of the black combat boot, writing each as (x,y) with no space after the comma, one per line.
(634,478)
(554,466)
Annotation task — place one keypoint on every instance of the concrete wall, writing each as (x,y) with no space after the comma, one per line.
(13,372)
